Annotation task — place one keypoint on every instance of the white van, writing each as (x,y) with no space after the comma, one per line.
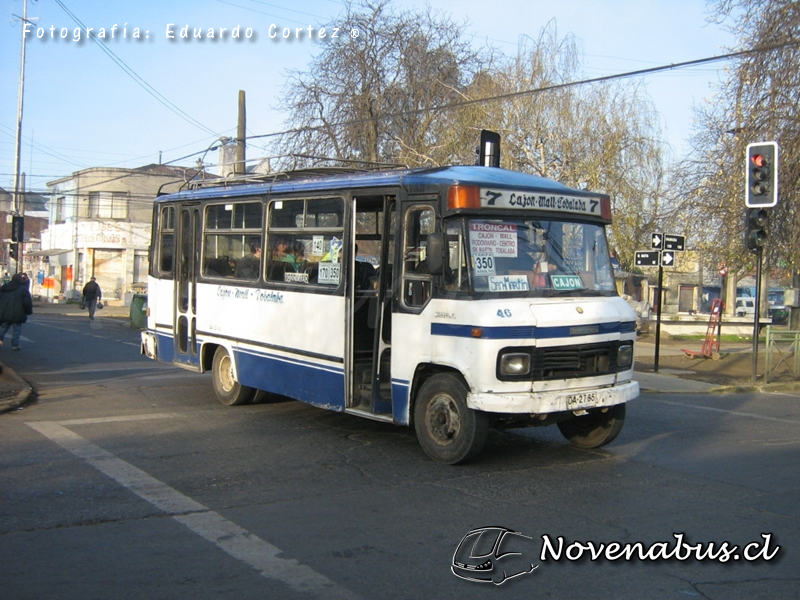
(745,306)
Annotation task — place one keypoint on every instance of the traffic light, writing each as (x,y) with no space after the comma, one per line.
(761,172)
(12,250)
(17,229)
(757,221)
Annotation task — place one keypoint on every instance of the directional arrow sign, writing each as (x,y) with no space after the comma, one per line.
(668,258)
(647,259)
(658,241)
(674,242)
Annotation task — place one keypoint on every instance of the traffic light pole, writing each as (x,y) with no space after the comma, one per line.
(760,193)
(757,317)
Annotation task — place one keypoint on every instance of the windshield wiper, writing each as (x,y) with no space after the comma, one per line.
(577,291)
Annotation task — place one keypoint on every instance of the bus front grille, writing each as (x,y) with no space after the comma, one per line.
(568,362)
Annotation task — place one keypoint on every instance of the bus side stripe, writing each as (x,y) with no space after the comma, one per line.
(528,331)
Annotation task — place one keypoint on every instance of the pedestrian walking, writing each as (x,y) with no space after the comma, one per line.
(92,294)
(15,306)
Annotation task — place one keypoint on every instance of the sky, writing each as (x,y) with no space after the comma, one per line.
(159,98)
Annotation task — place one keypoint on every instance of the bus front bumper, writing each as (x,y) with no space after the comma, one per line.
(538,403)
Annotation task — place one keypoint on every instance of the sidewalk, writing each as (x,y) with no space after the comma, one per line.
(15,392)
(73,310)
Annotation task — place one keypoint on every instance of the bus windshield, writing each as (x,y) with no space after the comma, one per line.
(536,257)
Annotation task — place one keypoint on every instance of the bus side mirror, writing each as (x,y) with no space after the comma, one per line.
(434,253)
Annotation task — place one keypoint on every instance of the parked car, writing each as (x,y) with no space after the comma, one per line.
(745,306)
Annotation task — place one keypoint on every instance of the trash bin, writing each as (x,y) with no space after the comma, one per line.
(139,311)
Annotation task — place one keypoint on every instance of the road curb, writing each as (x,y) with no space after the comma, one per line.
(21,396)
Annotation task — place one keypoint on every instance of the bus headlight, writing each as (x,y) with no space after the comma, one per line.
(515,363)
(625,355)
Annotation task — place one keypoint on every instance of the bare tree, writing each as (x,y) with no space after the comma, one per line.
(373,97)
(603,137)
(411,89)
(757,102)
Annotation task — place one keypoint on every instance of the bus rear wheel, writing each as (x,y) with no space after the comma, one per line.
(229,391)
(596,428)
(448,431)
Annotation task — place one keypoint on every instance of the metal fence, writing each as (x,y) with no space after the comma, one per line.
(782,353)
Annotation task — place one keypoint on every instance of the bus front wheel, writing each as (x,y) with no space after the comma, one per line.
(229,391)
(596,428)
(448,431)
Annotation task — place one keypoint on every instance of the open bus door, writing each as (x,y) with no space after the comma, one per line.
(185,318)
(371,323)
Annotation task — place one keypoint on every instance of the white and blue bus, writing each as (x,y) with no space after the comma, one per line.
(450,299)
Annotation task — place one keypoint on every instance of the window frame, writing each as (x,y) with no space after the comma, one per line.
(305,276)
(248,234)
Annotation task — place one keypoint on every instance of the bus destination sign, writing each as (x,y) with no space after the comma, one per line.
(540,201)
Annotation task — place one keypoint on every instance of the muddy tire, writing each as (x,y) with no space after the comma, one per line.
(229,391)
(448,431)
(595,429)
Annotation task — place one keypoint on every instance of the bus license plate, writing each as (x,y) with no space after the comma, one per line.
(582,400)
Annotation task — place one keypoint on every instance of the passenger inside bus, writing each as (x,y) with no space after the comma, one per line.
(365,274)
(279,249)
(249,266)
(295,255)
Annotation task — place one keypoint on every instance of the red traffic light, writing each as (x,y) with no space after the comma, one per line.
(761,175)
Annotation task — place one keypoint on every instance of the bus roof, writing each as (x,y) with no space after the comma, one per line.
(413,180)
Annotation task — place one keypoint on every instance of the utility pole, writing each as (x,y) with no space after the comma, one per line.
(239,167)
(20,94)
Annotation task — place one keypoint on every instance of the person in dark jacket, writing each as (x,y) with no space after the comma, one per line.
(15,306)
(92,295)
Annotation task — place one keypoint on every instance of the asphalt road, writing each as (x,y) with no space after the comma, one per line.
(126,479)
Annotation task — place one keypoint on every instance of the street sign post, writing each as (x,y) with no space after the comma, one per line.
(675,242)
(647,259)
(657,241)
(662,255)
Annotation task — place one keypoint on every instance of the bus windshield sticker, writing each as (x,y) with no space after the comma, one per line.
(566,282)
(484,263)
(295,277)
(495,239)
(508,283)
(317,245)
(336,248)
(329,273)
(552,202)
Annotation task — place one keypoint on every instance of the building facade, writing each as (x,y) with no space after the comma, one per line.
(100,223)
(33,208)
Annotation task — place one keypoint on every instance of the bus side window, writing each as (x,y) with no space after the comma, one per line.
(417,281)
(167,240)
(233,240)
(304,241)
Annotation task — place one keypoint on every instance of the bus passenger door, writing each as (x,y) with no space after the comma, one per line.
(370,340)
(187,250)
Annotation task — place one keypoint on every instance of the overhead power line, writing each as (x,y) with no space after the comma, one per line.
(539,90)
(135,76)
